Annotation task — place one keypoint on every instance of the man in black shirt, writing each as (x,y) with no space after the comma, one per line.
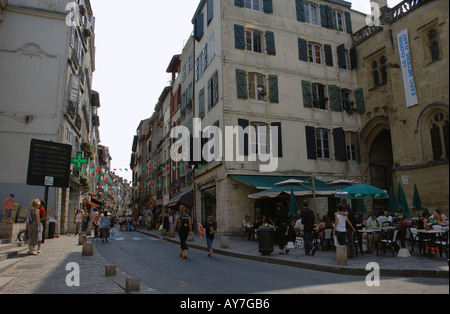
(307,217)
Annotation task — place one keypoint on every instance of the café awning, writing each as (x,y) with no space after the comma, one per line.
(184,198)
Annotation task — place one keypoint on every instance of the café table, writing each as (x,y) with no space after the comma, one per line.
(429,235)
(372,231)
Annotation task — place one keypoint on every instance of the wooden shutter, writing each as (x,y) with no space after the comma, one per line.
(348,23)
(330,21)
(311,147)
(328,55)
(239,3)
(215,88)
(210,13)
(300,7)
(273,88)
(303,49)
(239,36)
(199,28)
(307,94)
(278,142)
(341,56)
(340,149)
(335,98)
(267,6)
(353,58)
(359,100)
(241,83)
(243,147)
(270,43)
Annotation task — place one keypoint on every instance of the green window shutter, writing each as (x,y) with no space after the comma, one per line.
(300,6)
(268,6)
(330,21)
(199,28)
(307,94)
(239,3)
(278,141)
(303,49)
(311,147)
(328,55)
(239,36)
(335,98)
(210,14)
(270,43)
(340,149)
(323,16)
(353,58)
(241,83)
(359,100)
(341,56)
(348,22)
(273,89)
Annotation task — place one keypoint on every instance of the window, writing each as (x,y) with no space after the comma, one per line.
(323,143)
(213,91)
(375,75)
(319,94)
(439,132)
(257,86)
(347,100)
(379,71)
(343,60)
(254,40)
(253,4)
(315,53)
(338,19)
(383,69)
(351,142)
(259,139)
(311,14)
(433,44)
(201,103)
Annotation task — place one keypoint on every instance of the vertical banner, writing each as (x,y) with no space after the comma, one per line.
(408,76)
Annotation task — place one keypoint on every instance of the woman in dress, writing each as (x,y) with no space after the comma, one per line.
(34,226)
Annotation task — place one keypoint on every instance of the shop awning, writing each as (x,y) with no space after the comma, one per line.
(91,203)
(184,198)
(264,182)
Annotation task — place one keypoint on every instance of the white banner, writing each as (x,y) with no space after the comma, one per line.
(408,76)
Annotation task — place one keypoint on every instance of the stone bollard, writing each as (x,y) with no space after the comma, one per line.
(403,253)
(224,243)
(163,232)
(341,255)
(110,270)
(88,249)
(82,239)
(132,284)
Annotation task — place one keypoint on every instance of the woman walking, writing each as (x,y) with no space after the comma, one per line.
(184,225)
(34,226)
(210,228)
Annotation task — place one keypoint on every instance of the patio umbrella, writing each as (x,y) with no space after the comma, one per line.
(402,201)
(417,202)
(362,191)
(393,202)
(293,206)
(360,207)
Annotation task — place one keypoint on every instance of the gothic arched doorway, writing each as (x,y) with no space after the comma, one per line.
(381,163)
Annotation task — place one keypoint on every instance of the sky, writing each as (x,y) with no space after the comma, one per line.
(135,41)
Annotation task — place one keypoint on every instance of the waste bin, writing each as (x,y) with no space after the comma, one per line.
(265,240)
(51,230)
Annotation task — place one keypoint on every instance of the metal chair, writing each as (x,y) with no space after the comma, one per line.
(391,242)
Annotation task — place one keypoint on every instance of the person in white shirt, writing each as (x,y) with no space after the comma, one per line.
(340,229)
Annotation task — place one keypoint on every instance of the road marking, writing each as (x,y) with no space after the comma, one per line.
(136,239)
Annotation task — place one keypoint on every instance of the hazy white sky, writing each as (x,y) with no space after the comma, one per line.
(134,45)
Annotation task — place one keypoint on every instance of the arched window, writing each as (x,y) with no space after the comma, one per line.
(375,75)
(439,133)
(383,69)
(433,43)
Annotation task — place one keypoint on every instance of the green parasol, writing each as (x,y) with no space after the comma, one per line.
(417,202)
(293,206)
(362,192)
(393,202)
(402,201)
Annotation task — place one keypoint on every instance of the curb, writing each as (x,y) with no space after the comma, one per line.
(342,270)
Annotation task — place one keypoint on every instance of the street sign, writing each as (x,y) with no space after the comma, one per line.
(79,161)
(49,164)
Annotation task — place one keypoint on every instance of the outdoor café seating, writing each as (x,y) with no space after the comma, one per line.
(390,241)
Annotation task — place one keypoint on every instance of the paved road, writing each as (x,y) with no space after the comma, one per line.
(157,264)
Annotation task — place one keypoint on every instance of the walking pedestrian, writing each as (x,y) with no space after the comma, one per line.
(7,207)
(77,219)
(41,234)
(210,227)
(352,220)
(105,225)
(34,227)
(307,217)
(184,225)
(281,228)
(340,229)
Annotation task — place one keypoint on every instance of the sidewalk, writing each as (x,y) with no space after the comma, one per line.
(413,266)
(46,273)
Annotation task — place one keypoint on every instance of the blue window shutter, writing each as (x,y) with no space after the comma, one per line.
(359,100)
(268,6)
(239,36)
(340,149)
(328,55)
(278,142)
(199,27)
(210,11)
(300,6)
(348,22)
(273,89)
(302,49)
(307,94)
(241,84)
(311,147)
(270,43)
(341,56)
(239,3)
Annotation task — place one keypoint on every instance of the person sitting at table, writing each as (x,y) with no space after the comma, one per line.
(423,220)
(374,237)
(402,227)
(438,217)
(385,218)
